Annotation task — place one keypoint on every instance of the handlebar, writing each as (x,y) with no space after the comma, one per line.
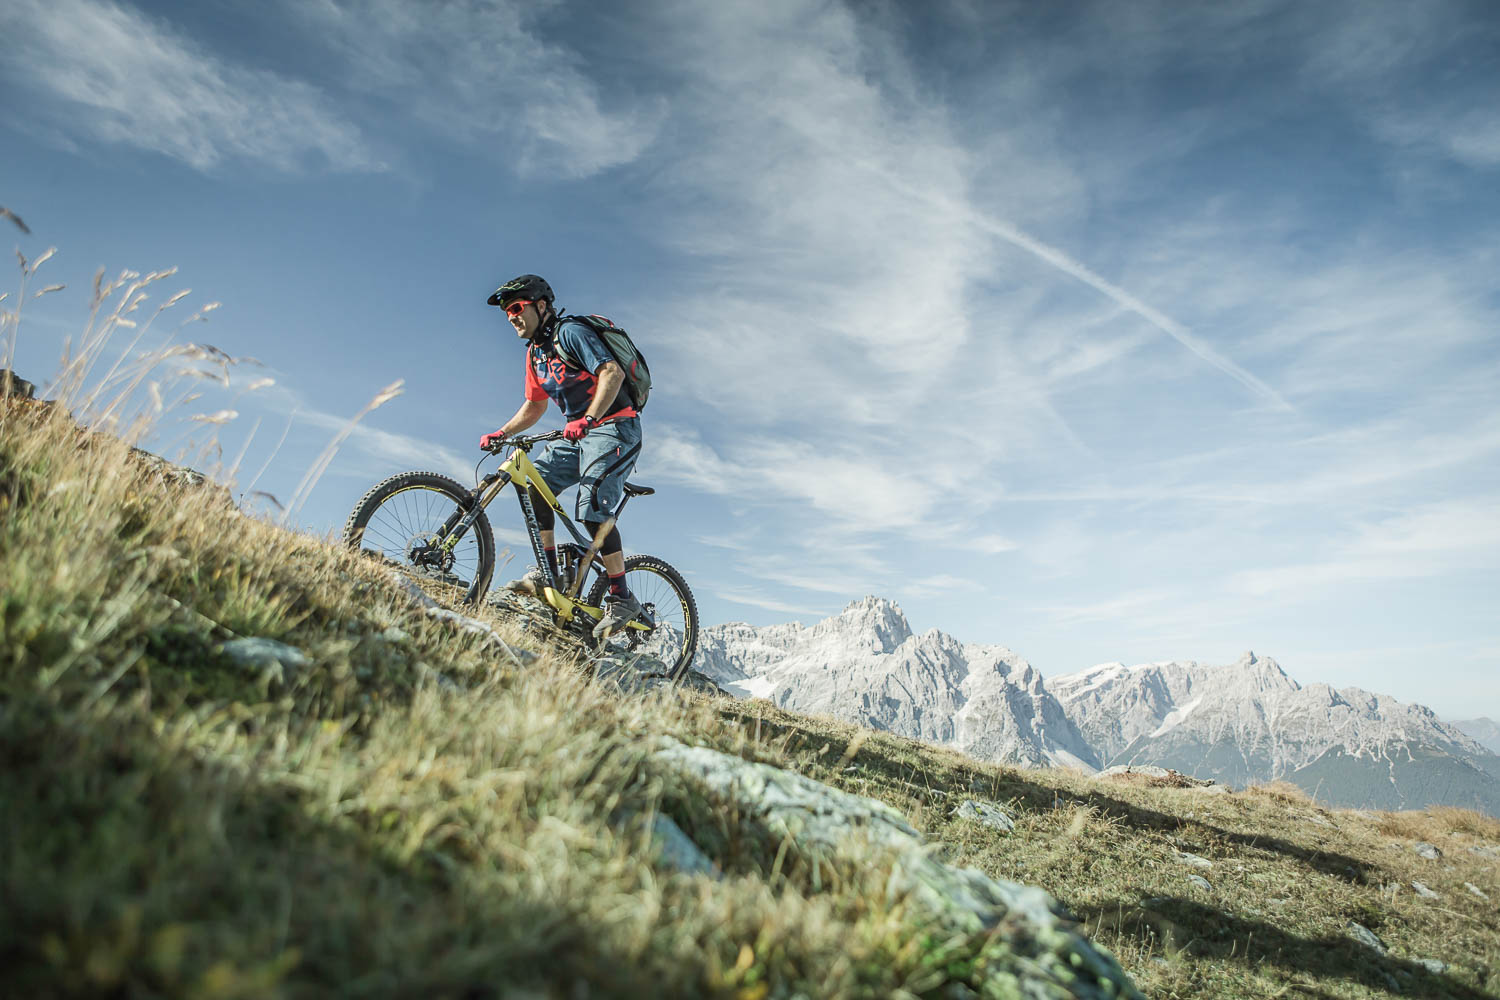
(523,441)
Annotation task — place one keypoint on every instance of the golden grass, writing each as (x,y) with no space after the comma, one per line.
(1281,791)
(1438,822)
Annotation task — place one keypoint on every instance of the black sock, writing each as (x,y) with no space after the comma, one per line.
(617,585)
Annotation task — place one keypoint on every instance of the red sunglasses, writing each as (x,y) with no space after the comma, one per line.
(517,307)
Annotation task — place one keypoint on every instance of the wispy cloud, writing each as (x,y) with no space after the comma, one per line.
(1426,541)
(1376,54)
(103,70)
(481,72)
(756,599)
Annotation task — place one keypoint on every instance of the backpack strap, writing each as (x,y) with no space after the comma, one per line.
(557,347)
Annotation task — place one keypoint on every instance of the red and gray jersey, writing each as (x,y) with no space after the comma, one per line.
(549,377)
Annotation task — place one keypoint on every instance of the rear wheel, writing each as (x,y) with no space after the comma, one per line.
(407,520)
(669,606)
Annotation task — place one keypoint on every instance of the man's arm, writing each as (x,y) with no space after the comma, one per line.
(530,412)
(611,376)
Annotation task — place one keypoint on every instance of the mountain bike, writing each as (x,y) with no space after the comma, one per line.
(431,525)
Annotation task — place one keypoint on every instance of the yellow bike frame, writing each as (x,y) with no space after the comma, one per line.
(519,471)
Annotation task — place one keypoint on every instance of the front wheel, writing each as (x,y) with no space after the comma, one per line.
(669,608)
(410,519)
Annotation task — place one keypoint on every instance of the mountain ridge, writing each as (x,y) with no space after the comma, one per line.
(1241,723)
(867,665)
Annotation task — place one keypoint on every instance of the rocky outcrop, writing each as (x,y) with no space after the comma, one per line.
(1043,953)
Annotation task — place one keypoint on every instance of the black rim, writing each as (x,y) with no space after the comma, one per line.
(405,524)
(664,606)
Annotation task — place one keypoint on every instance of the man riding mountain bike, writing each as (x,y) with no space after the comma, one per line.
(566,361)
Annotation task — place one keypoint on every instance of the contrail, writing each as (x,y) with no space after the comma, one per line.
(1068,265)
(1155,317)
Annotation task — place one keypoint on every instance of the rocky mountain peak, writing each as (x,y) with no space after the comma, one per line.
(871,623)
(1263,672)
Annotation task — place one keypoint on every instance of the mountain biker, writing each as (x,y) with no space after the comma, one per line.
(601,439)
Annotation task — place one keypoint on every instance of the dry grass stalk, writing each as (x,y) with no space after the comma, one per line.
(1437,822)
(321,463)
(1281,791)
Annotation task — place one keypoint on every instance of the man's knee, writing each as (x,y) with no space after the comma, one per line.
(611,543)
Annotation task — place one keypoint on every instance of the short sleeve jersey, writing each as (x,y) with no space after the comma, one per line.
(548,377)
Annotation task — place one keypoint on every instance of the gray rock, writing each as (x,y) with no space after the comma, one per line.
(521,657)
(1432,965)
(1366,937)
(394,635)
(274,662)
(983,812)
(676,850)
(1193,860)
(1485,852)
(1475,890)
(1424,892)
(1201,882)
(435,676)
(1159,773)
(416,594)
(1048,956)
(1428,851)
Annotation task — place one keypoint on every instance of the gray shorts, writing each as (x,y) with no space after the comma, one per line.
(597,464)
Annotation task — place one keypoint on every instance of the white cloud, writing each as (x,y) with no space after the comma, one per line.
(1426,541)
(757,599)
(1469,135)
(944,582)
(1405,70)
(481,72)
(105,71)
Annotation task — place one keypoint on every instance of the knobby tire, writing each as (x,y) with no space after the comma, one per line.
(385,494)
(637,569)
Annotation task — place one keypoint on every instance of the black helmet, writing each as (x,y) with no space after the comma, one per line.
(531,287)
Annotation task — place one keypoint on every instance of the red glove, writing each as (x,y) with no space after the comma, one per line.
(578,428)
(491,440)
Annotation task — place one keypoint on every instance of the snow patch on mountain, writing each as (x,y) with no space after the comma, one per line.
(1176,716)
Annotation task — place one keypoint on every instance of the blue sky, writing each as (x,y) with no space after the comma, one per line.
(1106,331)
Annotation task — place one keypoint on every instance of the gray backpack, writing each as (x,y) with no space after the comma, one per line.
(626,354)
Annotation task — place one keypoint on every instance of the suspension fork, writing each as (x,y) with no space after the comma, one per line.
(461,520)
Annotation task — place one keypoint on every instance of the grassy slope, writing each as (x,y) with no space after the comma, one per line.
(178,826)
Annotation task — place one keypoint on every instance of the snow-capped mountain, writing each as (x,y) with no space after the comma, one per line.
(1239,724)
(1249,721)
(1177,709)
(865,665)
